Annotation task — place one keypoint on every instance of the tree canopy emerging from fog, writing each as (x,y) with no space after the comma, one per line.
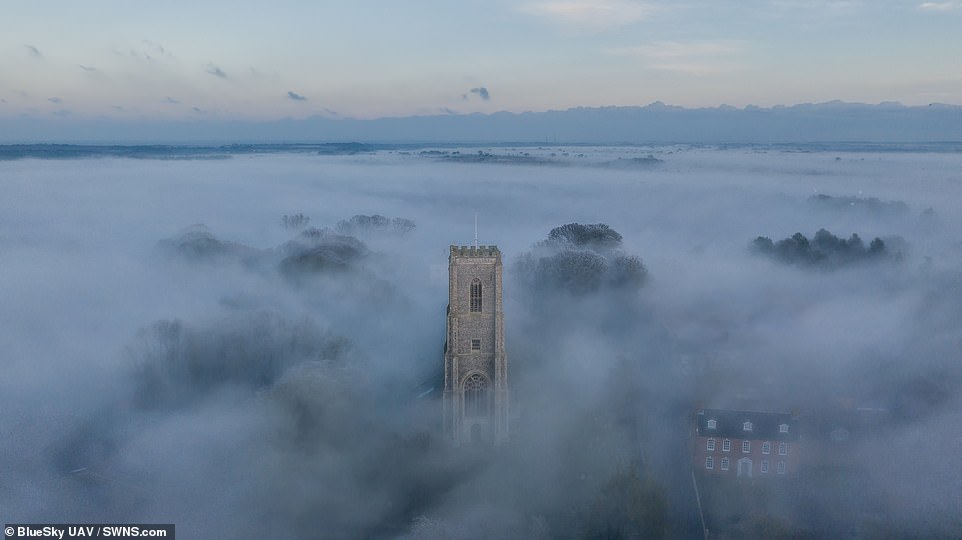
(363,224)
(197,243)
(295,221)
(627,507)
(321,250)
(823,250)
(312,251)
(178,362)
(580,259)
(594,236)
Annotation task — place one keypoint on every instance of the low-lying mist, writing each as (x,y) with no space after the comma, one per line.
(253,346)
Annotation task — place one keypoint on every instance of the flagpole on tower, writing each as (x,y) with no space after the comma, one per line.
(475,230)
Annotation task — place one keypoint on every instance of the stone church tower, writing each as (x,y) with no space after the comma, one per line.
(475,366)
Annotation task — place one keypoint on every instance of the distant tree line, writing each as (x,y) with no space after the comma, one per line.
(869,205)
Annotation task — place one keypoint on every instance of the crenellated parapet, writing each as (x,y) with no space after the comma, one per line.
(475,251)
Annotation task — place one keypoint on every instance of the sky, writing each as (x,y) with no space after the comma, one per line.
(260,61)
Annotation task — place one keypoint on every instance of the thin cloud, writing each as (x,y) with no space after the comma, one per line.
(593,14)
(940,6)
(33,51)
(216,71)
(822,4)
(694,57)
(54,100)
(677,49)
(692,68)
(295,96)
(814,12)
(198,110)
(171,101)
(88,69)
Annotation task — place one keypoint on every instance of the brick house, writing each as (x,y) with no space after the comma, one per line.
(745,444)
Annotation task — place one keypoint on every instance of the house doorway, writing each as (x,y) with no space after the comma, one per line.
(745,467)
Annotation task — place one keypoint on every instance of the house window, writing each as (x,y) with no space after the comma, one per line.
(783,428)
(726,445)
(476,296)
(711,444)
(766,447)
(724,464)
(746,447)
(839,435)
(475,344)
(747,426)
(475,396)
(782,449)
(764,465)
(709,462)
(781,467)
(712,424)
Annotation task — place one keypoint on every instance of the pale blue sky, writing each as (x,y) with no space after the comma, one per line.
(267,60)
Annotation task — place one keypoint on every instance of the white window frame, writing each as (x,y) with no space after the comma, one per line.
(746,447)
(747,426)
(710,462)
(725,464)
(764,467)
(712,423)
(781,467)
(710,445)
(783,448)
(767,447)
(727,445)
(783,428)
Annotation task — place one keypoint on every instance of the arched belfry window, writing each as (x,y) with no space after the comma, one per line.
(476,296)
(475,396)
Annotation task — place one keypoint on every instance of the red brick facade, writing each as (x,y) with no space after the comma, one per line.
(742,444)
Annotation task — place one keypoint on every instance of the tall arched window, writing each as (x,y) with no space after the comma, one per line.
(476,296)
(475,396)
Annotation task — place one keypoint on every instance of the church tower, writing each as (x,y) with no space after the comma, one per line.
(475,365)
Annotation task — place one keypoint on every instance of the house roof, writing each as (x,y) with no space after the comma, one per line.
(731,424)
